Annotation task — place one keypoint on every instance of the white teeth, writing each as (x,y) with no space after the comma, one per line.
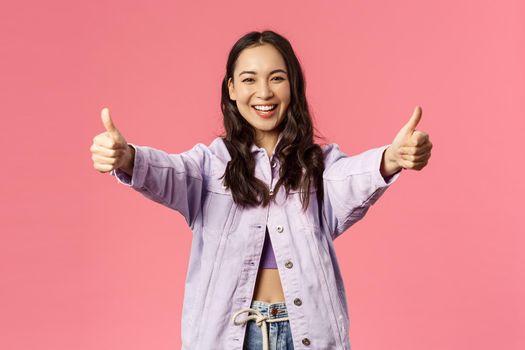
(265,108)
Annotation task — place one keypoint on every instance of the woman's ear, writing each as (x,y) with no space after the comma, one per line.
(231,89)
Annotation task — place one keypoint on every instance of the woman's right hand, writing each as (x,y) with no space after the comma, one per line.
(110,150)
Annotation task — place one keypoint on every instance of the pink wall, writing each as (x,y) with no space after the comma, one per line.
(87,263)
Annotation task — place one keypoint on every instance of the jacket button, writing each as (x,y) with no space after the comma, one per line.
(297,302)
(280,228)
(306,341)
(288,264)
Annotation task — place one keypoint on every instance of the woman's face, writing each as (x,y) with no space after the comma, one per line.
(260,78)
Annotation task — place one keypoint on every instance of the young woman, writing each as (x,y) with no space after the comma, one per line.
(264,204)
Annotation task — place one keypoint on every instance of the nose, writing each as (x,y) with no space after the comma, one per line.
(264,90)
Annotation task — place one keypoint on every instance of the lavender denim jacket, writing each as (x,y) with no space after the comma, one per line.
(227,240)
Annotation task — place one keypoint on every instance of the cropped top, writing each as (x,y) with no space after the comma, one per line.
(268,256)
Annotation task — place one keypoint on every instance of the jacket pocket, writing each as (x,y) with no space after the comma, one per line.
(311,189)
(217,205)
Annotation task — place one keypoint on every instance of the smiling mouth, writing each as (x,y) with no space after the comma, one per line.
(265,110)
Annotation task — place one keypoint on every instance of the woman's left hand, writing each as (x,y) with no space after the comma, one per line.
(410,148)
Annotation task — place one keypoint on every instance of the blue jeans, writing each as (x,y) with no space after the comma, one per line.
(279,333)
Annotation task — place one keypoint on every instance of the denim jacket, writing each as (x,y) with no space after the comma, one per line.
(227,240)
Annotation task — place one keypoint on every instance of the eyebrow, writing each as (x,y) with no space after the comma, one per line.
(272,72)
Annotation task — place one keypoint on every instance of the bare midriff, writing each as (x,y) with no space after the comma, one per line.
(268,286)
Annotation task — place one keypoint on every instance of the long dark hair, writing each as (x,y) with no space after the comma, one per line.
(301,159)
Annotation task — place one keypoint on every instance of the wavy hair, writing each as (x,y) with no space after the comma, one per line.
(301,160)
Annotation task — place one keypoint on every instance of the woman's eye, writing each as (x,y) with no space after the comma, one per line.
(250,79)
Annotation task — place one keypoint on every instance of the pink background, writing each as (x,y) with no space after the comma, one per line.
(87,263)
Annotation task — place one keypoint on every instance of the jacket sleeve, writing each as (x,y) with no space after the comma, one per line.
(173,180)
(351,185)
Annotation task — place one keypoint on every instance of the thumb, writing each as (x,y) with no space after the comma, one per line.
(414,120)
(108,123)
(408,129)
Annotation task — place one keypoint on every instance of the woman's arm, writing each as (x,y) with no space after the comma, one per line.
(352,184)
(174,180)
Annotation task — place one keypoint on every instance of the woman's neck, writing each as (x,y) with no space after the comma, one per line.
(267,140)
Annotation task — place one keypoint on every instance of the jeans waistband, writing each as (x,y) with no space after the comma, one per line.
(262,312)
(272,310)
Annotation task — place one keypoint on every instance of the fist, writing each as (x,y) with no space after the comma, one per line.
(109,150)
(411,148)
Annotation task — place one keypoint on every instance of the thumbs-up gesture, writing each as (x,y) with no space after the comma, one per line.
(410,148)
(110,150)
